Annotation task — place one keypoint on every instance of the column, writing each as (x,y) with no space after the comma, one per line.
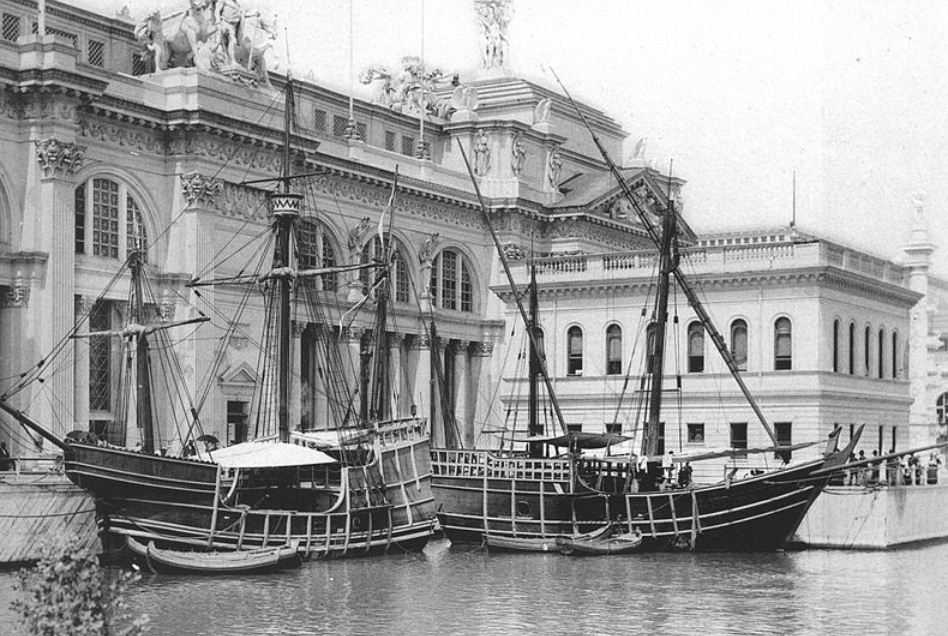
(462,387)
(49,226)
(481,373)
(13,331)
(83,304)
(423,384)
(197,199)
(395,343)
(320,335)
(296,375)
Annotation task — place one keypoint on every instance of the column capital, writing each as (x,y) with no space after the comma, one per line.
(200,190)
(482,349)
(58,158)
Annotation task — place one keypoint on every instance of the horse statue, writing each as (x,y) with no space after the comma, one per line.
(184,47)
(255,37)
(388,92)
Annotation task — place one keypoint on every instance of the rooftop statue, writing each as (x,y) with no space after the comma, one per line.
(213,36)
(413,90)
(494,17)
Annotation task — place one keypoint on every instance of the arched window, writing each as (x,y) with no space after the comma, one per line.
(108,221)
(941,409)
(375,251)
(613,350)
(783,345)
(852,348)
(316,250)
(836,346)
(895,355)
(881,361)
(451,281)
(866,350)
(574,353)
(739,344)
(695,348)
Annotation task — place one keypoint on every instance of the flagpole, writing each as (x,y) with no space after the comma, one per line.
(351,132)
(421,98)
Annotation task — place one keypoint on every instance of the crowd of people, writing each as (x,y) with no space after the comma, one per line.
(892,469)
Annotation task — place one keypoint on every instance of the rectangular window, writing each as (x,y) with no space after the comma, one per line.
(319,120)
(614,428)
(390,140)
(11,27)
(661,438)
(105,218)
(784,433)
(100,358)
(72,38)
(362,130)
(574,428)
(96,53)
(139,67)
(881,438)
(236,421)
(739,436)
(408,146)
(892,448)
(696,433)
(339,124)
(79,207)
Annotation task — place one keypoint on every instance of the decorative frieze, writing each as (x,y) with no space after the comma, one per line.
(59,157)
(200,190)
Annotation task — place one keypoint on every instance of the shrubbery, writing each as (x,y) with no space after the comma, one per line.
(67,593)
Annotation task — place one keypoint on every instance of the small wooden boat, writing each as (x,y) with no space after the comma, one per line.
(538,544)
(611,542)
(237,561)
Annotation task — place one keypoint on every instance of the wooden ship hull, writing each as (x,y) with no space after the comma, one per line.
(480,493)
(331,510)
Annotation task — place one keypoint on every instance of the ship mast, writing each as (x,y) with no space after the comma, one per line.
(534,427)
(683,284)
(285,207)
(656,337)
(142,366)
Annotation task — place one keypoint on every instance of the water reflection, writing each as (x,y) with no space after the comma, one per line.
(455,591)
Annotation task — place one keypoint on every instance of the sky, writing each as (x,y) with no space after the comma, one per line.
(849,95)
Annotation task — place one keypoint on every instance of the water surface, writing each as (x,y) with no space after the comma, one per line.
(446,590)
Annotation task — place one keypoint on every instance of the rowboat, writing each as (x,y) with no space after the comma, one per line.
(216,562)
(611,542)
(539,544)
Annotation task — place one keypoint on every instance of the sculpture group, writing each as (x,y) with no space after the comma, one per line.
(212,35)
(413,90)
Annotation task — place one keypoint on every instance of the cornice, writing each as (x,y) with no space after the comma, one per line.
(808,276)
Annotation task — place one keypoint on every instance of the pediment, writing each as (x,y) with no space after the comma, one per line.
(599,195)
(242,374)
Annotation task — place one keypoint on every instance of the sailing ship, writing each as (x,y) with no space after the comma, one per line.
(365,489)
(553,489)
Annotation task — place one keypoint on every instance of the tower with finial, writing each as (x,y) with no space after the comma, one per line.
(917,261)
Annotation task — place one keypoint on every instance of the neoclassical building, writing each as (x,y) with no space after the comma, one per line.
(101,154)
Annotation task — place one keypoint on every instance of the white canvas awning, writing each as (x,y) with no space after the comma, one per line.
(266,455)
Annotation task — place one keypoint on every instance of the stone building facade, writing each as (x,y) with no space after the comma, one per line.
(98,153)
